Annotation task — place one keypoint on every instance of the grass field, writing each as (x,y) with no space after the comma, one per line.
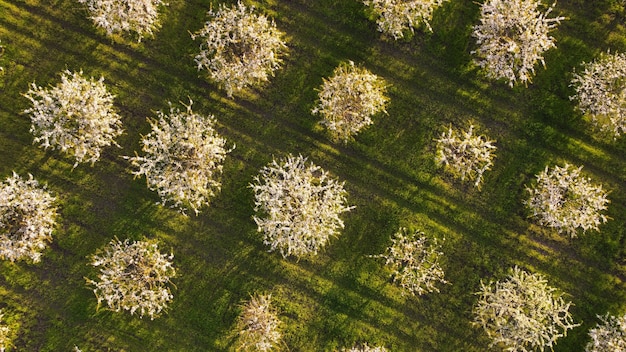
(342,296)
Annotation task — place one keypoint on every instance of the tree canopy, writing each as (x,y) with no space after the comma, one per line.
(297,206)
(76,116)
(183,158)
(349,99)
(522,313)
(119,16)
(238,47)
(27,218)
(511,37)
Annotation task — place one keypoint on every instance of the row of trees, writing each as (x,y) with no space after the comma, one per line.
(184,155)
(512,37)
(521,313)
(239,48)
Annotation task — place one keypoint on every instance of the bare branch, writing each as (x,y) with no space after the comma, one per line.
(258,326)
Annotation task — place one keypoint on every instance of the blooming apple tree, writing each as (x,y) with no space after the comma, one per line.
(238,47)
(413,260)
(465,154)
(511,37)
(183,158)
(75,116)
(297,206)
(610,335)
(601,92)
(134,276)
(397,16)
(115,16)
(565,200)
(522,313)
(258,326)
(349,99)
(27,218)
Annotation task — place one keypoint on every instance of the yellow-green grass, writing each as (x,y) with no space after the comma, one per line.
(343,295)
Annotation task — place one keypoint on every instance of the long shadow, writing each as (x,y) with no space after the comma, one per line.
(223,259)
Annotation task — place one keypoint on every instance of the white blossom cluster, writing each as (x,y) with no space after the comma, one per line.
(567,201)
(75,116)
(239,48)
(413,260)
(522,313)
(397,16)
(365,348)
(601,92)
(134,276)
(348,99)
(258,326)
(608,336)
(115,16)
(27,218)
(183,158)
(512,37)
(297,206)
(465,154)
(5,331)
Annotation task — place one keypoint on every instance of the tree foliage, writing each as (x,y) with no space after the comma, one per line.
(115,16)
(522,312)
(297,206)
(512,37)
(238,47)
(601,92)
(75,116)
(465,154)
(258,326)
(567,201)
(134,276)
(413,260)
(27,218)
(610,335)
(183,158)
(349,99)
(395,17)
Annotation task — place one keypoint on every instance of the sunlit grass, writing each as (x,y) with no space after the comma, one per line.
(343,296)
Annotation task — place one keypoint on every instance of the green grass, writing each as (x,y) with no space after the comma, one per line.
(342,296)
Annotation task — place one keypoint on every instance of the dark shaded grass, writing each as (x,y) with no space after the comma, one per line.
(343,295)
